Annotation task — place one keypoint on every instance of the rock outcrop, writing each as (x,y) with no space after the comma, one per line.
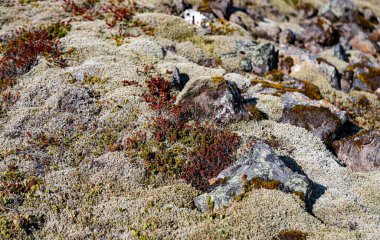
(259,168)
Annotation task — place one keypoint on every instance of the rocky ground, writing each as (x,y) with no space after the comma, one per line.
(190,119)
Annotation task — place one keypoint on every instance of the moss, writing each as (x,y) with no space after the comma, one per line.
(290,235)
(210,203)
(275,75)
(257,183)
(58,29)
(312,91)
(176,30)
(92,80)
(218,80)
(222,27)
(24,2)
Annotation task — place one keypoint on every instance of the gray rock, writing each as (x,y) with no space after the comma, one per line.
(340,9)
(260,162)
(259,58)
(220,7)
(360,152)
(246,65)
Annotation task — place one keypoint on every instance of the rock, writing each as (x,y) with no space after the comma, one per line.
(260,167)
(259,58)
(243,19)
(319,117)
(322,32)
(242,82)
(338,9)
(363,77)
(363,45)
(298,59)
(178,82)
(360,152)
(217,99)
(287,37)
(292,99)
(220,7)
(246,65)
(266,29)
(340,53)
(196,18)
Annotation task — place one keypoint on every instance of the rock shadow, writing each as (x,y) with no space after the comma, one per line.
(316,189)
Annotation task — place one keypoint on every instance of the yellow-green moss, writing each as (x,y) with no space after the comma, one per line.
(290,235)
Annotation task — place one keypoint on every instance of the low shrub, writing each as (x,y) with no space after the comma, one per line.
(177,144)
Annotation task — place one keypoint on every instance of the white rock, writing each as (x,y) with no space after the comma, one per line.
(196,18)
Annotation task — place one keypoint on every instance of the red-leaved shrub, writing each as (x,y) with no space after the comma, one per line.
(20,53)
(177,144)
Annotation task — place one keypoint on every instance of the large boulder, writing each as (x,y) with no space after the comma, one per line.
(259,168)
(360,152)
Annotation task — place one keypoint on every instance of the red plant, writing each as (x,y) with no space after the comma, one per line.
(76,10)
(120,12)
(21,52)
(204,149)
(9,98)
(212,152)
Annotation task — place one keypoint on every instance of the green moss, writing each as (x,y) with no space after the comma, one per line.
(58,29)
(92,80)
(275,75)
(210,203)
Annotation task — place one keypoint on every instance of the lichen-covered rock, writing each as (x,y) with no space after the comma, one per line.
(360,152)
(259,163)
(258,58)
